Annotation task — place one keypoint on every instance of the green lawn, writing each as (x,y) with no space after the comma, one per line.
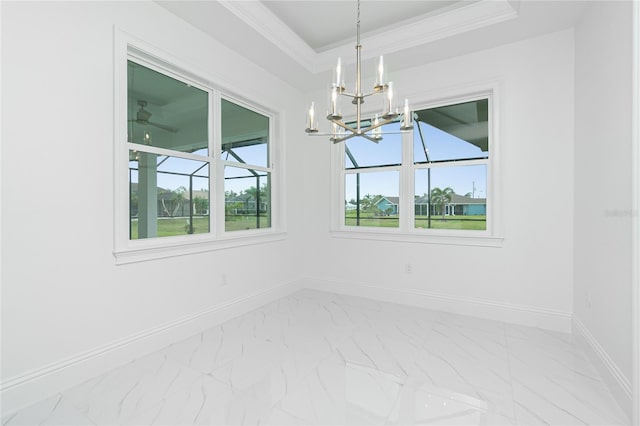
(449,222)
(172,226)
(240,222)
(477,223)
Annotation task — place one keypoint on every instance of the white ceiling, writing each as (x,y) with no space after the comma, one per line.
(327,24)
(300,40)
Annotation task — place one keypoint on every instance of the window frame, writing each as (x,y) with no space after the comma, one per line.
(128,251)
(406,231)
(222,164)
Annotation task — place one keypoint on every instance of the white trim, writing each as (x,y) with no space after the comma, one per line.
(412,32)
(245,166)
(32,386)
(617,382)
(372,170)
(530,316)
(482,162)
(125,250)
(269,26)
(392,234)
(635,207)
(180,246)
(133,146)
(490,237)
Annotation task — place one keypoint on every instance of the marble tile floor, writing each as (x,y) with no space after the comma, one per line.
(318,358)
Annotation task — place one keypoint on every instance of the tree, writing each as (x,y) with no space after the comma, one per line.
(252,194)
(177,197)
(367,202)
(200,205)
(441,197)
(230,194)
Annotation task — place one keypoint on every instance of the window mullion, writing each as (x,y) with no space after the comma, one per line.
(218,175)
(165,152)
(406,183)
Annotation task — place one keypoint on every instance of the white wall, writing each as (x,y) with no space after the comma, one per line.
(602,218)
(529,279)
(63,297)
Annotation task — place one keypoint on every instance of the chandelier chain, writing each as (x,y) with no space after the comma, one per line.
(358,24)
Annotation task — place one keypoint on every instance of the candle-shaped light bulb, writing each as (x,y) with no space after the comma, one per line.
(407,119)
(380,75)
(388,111)
(377,132)
(336,132)
(334,114)
(338,76)
(311,119)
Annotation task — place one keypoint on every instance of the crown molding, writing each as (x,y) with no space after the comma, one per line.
(431,28)
(413,33)
(269,26)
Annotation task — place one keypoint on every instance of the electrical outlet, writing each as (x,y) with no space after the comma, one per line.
(408,268)
(224,280)
(589,299)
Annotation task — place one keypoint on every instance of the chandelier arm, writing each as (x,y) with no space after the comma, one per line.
(371,138)
(344,126)
(349,95)
(375,126)
(344,138)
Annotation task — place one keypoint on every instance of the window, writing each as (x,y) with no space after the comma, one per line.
(450,157)
(247,177)
(169,163)
(372,180)
(199,170)
(432,181)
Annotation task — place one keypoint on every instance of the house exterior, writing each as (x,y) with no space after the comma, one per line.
(169,205)
(387,205)
(243,204)
(459,206)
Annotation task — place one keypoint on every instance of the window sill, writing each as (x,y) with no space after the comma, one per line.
(421,238)
(170,247)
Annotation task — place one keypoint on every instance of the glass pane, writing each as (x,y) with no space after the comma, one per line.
(452,132)
(457,198)
(166,112)
(245,206)
(361,152)
(371,199)
(245,135)
(167,196)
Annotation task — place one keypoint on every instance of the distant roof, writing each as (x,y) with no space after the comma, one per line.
(392,200)
(455,199)
(461,199)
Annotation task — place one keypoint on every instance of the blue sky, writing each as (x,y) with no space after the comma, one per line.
(440,146)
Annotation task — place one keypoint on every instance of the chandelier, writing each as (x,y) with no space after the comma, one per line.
(340,131)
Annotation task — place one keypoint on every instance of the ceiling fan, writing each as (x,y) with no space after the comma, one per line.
(143,116)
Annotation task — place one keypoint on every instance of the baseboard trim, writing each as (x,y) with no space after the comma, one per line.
(499,311)
(25,389)
(618,383)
